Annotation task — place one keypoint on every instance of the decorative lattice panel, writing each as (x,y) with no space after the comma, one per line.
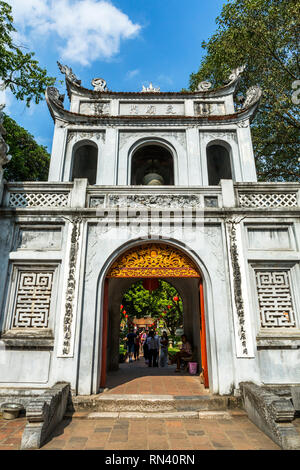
(38,199)
(268,200)
(33,299)
(275,298)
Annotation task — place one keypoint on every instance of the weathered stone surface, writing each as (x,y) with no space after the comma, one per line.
(44,413)
(296,397)
(272,414)
(150,403)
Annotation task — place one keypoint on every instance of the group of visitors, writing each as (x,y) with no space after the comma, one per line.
(155,348)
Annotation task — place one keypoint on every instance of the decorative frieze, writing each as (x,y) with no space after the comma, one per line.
(95,108)
(86,135)
(164,201)
(153,260)
(222,135)
(207,108)
(33,299)
(274,298)
(179,136)
(148,201)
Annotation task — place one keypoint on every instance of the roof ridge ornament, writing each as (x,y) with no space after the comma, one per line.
(99,84)
(55,96)
(253,95)
(204,86)
(151,89)
(235,73)
(69,74)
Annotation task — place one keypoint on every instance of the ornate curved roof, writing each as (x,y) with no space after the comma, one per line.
(205,91)
(55,103)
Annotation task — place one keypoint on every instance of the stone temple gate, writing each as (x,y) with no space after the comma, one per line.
(149,170)
(160,261)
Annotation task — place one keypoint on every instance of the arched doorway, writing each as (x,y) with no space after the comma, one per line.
(152,165)
(161,261)
(85,161)
(218,164)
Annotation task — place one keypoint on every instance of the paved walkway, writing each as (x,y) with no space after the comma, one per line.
(11,433)
(237,433)
(137,378)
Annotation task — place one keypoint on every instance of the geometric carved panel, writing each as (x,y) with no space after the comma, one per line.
(262,200)
(33,299)
(275,299)
(38,199)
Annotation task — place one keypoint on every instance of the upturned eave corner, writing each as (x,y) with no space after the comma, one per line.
(55,103)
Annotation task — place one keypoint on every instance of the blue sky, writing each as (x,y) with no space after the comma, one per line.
(127,42)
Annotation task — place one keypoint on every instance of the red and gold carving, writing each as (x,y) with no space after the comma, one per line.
(153,260)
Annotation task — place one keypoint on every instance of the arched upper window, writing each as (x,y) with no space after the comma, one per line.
(218,164)
(152,165)
(85,162)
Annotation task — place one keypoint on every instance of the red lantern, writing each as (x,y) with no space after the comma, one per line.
(126,316)
(175,299)
(169,306)
(121,307)
(150,284)
(124,312)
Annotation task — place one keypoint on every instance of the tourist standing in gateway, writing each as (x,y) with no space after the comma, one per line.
(153,348)
(164,342)
(130,344)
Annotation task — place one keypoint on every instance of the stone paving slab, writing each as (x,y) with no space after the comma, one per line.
(151,415)
(236,433)
(11,433)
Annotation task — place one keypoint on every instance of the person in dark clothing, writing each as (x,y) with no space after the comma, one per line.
(145,348)
(137,346)
(153,347)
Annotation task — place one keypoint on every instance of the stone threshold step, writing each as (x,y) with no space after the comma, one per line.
(151,415)
(153,403)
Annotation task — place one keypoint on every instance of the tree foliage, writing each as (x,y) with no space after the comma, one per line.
(158,304)
(263,35)
(19,71)
(30,161)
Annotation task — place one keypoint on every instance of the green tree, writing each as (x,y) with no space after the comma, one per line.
(19,71)
(263,35)
(30,161)
(158,304)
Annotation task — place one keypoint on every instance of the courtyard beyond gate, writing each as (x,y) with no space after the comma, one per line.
(137,378)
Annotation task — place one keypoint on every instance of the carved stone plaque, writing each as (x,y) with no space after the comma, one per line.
(151,108)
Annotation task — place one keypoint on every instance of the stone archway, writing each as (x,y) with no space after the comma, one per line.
(164,261)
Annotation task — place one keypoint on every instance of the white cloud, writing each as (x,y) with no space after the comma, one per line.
(87,30)
(132,73)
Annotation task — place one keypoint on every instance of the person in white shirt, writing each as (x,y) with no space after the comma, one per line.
(153,348)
